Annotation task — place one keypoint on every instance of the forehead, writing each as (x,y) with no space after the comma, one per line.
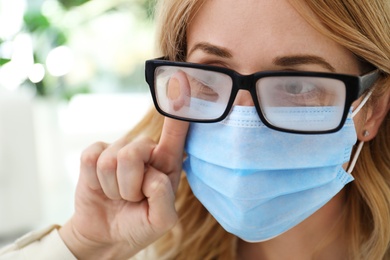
(255,30)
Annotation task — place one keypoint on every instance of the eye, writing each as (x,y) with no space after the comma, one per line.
(298,87)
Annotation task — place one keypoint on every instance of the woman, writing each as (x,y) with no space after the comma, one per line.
(126,191)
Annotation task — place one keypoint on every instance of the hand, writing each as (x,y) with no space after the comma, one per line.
(125,195)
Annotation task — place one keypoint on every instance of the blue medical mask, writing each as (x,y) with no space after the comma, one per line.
(258,182)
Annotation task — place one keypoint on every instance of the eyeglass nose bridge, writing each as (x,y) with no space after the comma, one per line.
(246,83)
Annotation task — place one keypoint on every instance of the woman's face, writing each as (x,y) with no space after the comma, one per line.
(262,35)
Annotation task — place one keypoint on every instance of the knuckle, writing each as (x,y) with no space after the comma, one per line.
(135,150)
(106,163)
(89,159)
(126,153)
(143,139)
(142,142)
(90,155)
(161,185)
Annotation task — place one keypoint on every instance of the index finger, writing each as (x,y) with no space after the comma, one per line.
(168,154)
(173,137)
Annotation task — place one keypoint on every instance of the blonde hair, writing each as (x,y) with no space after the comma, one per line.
(363,27)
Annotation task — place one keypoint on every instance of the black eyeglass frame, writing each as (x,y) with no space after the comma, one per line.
(355,86)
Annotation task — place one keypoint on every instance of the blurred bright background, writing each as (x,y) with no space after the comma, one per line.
(71,74)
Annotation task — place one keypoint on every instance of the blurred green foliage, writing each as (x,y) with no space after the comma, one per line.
(48,33)
(3,61)
(148,6)
(72,3)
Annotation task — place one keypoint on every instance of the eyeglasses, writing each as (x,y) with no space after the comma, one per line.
(288,101)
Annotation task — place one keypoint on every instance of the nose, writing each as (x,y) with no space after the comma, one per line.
(243,98)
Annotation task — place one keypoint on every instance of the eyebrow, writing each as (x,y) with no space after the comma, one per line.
(284,61)
(211,49)
(290,61)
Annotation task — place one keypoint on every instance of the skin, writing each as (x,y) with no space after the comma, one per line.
(125,194)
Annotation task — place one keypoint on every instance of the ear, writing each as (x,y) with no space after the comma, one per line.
(375,116)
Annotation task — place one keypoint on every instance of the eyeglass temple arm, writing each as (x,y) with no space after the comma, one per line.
(367,80)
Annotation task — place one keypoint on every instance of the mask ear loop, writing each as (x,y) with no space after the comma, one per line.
(364,101)
(361,143)
(355,157)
